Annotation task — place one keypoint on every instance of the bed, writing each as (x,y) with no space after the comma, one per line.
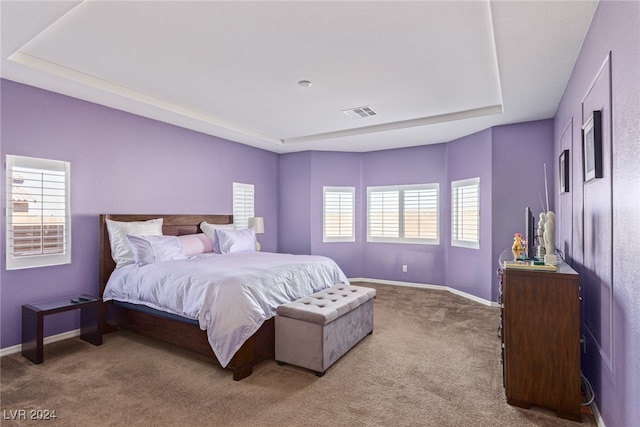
(184,328)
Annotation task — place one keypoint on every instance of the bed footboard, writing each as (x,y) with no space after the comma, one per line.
(260,347)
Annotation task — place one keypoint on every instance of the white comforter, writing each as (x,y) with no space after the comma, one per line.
(230,295)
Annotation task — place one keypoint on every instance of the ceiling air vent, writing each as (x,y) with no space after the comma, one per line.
(360,112)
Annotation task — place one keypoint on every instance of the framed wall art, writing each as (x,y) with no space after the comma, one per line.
(592,147)
(564,172)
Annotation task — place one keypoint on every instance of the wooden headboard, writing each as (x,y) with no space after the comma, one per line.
(172,225)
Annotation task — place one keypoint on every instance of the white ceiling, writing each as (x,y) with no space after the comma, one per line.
(434,71)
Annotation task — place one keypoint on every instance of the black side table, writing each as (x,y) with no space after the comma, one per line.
(33,320)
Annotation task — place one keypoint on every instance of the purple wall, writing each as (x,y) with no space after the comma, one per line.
(470,157)
(120,163)
(520,152)
(302,178)
(604,215)
(304,174)
(337,169)
(507,187)
(294,203)
(415,165)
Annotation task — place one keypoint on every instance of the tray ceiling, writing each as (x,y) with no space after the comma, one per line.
(433,71)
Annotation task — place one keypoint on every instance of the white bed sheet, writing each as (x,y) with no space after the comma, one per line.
(230,295)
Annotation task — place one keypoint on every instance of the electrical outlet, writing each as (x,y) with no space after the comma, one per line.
(404,268)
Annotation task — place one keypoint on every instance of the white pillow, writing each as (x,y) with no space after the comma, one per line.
(118,230)
(210,231)
(231,241)
(148,249)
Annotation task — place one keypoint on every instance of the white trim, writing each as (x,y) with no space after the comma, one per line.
(402,124)
(47,340)
(200,121)
(426,286)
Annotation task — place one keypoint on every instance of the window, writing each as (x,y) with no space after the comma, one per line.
(242,204)
(403,214)
(38,212)
(339,214)
(465,213)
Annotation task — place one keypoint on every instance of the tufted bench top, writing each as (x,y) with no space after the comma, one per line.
(327,305)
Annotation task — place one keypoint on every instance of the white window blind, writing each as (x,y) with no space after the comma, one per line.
(421,213)
(403,214)
(38,212)
(243,208)
(384,214)
(339,214)
(465,213)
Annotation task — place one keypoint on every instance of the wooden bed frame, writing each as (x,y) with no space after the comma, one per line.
(256,349)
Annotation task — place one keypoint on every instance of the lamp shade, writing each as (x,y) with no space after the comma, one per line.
(257,223)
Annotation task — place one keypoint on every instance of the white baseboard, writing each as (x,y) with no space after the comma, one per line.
(53,338)
(426,286)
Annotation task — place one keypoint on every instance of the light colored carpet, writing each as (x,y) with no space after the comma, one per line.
(433,360)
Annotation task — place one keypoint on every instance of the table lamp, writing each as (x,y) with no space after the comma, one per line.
(257,223)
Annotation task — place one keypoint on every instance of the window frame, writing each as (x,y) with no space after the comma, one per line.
(455,186)
(341,238)
(401,219)
(243,200)
(54,168)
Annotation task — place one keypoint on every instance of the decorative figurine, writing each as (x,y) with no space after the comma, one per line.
(549,239)
(518,246)
(541,245)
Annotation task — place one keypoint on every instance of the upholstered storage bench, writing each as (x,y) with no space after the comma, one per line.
(315,331)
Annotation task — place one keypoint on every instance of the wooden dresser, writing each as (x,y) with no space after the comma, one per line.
(540,332)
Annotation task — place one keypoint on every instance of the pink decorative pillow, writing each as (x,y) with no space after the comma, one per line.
(194,244)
